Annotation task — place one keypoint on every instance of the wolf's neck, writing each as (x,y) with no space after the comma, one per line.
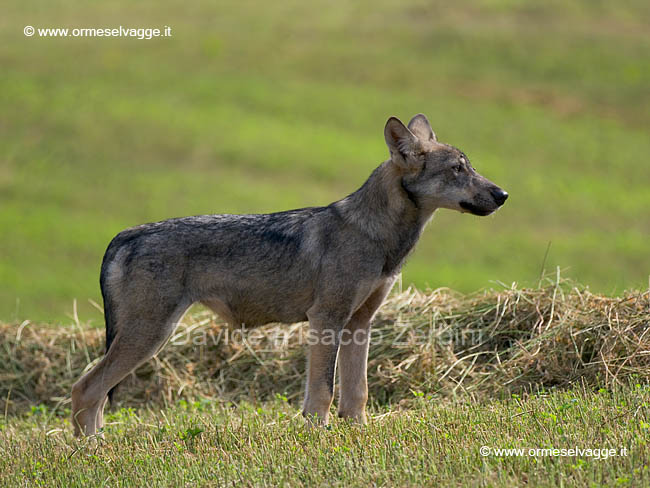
(384,211)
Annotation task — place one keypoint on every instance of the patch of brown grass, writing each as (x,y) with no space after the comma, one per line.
(439,342)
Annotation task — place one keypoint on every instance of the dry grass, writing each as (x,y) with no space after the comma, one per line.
(440,342)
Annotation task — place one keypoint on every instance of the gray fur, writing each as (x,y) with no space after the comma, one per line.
(330,265)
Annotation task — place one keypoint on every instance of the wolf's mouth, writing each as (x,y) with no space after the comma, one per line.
(475,209)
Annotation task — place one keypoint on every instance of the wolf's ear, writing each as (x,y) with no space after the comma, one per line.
(421,127)
(401,142)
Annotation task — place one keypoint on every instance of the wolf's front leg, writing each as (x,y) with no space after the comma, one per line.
(353,356)
(323,348)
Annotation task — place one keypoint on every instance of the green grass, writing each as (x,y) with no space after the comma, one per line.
(423,443)
(261,107)
(555,367)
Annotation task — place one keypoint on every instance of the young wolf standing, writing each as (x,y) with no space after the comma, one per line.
(330,265)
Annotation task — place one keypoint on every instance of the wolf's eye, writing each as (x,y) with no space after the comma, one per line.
(458,168)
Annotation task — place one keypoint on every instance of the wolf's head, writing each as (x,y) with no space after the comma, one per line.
(436,175)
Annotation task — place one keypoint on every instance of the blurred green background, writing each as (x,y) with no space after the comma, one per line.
(265,106)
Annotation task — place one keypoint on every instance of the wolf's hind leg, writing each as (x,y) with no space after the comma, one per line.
(136,341)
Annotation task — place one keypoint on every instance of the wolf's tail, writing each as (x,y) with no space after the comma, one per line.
(109,306)
(110,335)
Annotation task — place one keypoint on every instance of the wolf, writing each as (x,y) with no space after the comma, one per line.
(332,266)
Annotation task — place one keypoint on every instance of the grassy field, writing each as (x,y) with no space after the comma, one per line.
(453,379)
(258,107)
(428,443)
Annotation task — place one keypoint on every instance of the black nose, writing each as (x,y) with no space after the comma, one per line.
(499,195)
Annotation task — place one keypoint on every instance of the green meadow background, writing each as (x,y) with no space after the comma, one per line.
(264,106)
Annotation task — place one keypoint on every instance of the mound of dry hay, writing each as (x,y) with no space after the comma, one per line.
(438,342)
